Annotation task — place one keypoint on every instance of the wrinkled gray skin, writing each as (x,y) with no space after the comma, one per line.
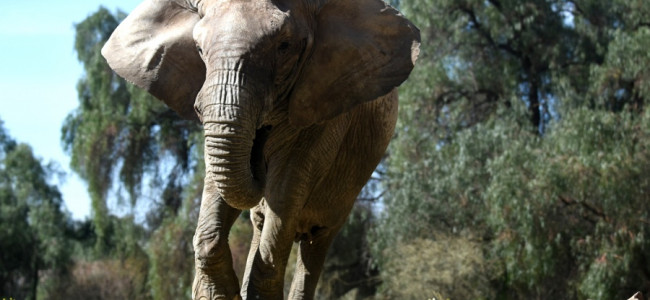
(298,102)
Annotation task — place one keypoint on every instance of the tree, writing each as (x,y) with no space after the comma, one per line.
(523,130)
(121,135)
(127,145)
(33,232)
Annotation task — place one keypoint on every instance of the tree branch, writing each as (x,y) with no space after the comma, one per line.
(485,34)
(594,210)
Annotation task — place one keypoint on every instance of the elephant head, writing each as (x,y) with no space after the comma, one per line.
(242,65)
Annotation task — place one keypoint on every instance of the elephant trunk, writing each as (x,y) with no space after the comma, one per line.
(232,147)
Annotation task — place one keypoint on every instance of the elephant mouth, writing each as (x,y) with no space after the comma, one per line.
(258,163)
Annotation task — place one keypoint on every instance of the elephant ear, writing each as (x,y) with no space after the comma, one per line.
(154,49)
(362,50)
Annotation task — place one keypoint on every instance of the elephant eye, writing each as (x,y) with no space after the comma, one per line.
(198,48)
(283,46)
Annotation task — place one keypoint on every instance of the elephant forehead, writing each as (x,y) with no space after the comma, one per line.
(244,19)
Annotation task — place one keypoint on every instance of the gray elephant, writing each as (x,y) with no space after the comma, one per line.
(298,102)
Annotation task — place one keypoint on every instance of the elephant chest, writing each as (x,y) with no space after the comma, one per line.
(318,172)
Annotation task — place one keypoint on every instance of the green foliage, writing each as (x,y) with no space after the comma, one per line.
(32,222)
(621,80)
(560,208)
(562,205)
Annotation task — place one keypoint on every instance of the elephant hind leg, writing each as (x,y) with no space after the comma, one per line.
(215,277)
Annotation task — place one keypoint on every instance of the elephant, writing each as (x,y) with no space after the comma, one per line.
(298,102)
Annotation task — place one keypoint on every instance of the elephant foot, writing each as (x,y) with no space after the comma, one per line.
(205,288)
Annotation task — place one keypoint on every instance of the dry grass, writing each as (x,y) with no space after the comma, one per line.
(445,268)
(105,279)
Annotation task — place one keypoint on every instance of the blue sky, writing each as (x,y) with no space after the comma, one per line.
(38,75)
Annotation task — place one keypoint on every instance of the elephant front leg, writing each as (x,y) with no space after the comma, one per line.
(313,250)
(215,277)
(272,240)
